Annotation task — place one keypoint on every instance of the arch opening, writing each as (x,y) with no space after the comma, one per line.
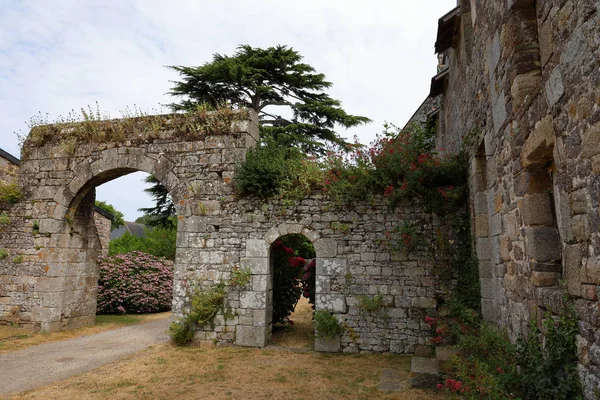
(88,283)
(291,298)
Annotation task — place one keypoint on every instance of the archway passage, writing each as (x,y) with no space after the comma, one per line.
(293,266)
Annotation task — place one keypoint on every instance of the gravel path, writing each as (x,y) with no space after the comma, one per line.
(47,363)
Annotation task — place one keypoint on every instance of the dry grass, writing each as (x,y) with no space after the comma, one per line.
(168,372)
(12,338)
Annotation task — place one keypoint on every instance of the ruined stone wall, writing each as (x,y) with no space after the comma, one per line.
(526,104)
(354,260)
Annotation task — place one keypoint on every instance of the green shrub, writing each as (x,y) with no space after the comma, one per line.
(10,192)
(549,361)
(4,219)
(327,326)
(3,254)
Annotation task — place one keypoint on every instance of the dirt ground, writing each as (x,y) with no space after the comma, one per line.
(14,338)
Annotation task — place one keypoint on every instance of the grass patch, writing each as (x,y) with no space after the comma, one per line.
(194,373)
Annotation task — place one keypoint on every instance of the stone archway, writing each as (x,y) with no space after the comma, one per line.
(51,281)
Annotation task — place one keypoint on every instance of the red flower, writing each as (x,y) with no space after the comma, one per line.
(388,191)
(287,250)
(413,166)
(500,370)
(436,340)
(430,321)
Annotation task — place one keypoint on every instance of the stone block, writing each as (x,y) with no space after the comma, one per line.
(572,265)
(480,203)
(485,269)
(537,209)
(481,225)
(424,302)
(591,272)
(499,113)
(254,300)
(424,372)
(258,266)
(257,248)
(335,303)
(578,202)
(486,288)
(332,266)
(538,149)
(542,243)
(483,249)
(493,55)
(326,248)
(581,228)
(250,336)
(524,87)
(544,279)
(554,87)
(596,164)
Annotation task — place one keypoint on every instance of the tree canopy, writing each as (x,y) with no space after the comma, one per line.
(269,81)
(162,214)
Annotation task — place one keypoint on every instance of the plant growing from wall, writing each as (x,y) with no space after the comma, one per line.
(326,325)
(370,304)
(4,219)
(3,254)
(91,126)
(206,304)
(118,217)
(240,277)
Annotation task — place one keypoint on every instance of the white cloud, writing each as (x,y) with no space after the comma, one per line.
(64,54)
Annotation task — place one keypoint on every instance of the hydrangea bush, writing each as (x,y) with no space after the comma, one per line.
(135,282)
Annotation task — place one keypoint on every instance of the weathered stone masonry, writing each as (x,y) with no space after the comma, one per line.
(53,285)
(522,94)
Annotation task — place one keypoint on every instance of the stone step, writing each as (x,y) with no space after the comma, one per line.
(424,372)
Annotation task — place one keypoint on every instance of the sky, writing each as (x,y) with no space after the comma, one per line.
(61,55)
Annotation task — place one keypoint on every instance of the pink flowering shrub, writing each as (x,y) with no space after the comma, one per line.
(134,283)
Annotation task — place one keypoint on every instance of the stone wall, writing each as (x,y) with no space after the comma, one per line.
(523,97)
(354,260)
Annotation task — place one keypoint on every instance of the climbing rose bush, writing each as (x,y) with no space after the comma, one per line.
(135,282)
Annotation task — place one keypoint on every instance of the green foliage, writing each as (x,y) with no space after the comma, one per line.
(262,79)
(161,215)
(3,254)
(36,227)
(159,242)
(10,192)
(206,304)
(240,277)
(327,326)
(4,219)
(548,361)
(368,304)
(540,366)
(118,217)
(18,259)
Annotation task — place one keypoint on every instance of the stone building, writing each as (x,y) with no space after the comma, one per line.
(520,91)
